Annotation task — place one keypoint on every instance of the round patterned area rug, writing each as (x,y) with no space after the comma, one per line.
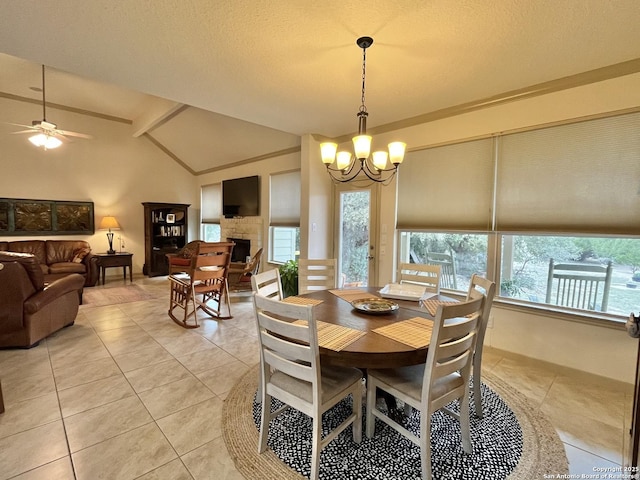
(512,441)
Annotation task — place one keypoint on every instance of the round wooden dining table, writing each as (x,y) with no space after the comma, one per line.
(371,350)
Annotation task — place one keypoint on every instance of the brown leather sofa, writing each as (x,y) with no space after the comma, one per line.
(29,310)
(59,258)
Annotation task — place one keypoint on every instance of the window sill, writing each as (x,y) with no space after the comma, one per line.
(616,322)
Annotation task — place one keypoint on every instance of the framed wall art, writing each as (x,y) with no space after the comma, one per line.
(20,216)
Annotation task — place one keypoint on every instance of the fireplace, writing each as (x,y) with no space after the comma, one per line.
(241,251)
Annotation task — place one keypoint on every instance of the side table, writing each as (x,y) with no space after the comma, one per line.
(119,259)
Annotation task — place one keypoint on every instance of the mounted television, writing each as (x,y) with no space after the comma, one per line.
(241,197)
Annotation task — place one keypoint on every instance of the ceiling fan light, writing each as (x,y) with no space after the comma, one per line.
(52,142)
(38,140)
(46,141)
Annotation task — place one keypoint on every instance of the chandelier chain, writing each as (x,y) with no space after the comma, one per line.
(363,107)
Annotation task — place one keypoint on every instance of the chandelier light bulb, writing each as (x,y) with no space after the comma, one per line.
(343,160)
(362,146)
(380,159)
(328,152)
(396,152)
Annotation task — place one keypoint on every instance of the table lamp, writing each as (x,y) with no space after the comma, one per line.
(109,223)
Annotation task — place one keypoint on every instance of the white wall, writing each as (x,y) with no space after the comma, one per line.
(114,170)
(316,215)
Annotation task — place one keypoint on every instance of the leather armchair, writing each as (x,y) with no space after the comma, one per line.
(29,309)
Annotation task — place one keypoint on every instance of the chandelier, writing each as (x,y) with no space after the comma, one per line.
(364,167)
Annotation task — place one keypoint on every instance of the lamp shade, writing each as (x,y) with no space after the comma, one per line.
(396,152)
(109,223)
(362,146)
(328,152)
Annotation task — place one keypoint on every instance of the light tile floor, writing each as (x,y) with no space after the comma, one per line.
(126,393)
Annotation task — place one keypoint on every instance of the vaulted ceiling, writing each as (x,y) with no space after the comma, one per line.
(217,82)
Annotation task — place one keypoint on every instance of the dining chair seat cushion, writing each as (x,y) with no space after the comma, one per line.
(334,380)
(409,381)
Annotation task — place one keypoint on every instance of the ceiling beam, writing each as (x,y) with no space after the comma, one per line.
(155,114)
(65,108)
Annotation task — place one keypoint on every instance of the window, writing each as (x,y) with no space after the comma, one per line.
(566,193)
(459,255)
(211,232)
(210,212)
(284,218)
(285,243)
(526,263)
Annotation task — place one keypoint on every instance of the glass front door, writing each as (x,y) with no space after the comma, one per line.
(356,252)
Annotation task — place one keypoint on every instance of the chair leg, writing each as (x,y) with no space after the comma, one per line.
(371,405)
(477,382)
(179,297)
(264,422)
(425,444)
(465,423)
(357,409)
(316,446)
(226,297)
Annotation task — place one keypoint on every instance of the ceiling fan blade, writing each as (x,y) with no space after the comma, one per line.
(21,125)
(73,134)
(23,131)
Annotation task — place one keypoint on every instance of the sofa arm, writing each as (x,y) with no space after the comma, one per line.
(93,269)
(56,289)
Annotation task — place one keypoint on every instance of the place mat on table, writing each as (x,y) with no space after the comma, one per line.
(334,337)
(415,332)
(432,304)
(351,295)
(302,301)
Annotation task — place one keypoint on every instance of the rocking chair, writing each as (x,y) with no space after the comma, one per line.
(207,279)
(240,273)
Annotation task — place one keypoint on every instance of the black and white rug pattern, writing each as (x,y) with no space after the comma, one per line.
(497,439)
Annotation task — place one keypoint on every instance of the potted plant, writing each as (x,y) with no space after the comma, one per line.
(289,277)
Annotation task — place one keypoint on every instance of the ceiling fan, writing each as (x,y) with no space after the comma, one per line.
(47,134)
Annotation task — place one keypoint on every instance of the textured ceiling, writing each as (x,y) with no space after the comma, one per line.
(292,66)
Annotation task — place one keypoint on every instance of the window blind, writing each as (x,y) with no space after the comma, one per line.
(577,178)
(285,199)
(211,203)
(447,188)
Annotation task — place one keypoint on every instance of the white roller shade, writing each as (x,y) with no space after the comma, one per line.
(211,203)
(577,178)
(447,188)
(284,201)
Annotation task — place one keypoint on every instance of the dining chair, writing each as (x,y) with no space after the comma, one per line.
(318,274)
(431,386)
(578,285)
(267,284)
(480,287)
(421,274)
(204,286)
(290,371)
